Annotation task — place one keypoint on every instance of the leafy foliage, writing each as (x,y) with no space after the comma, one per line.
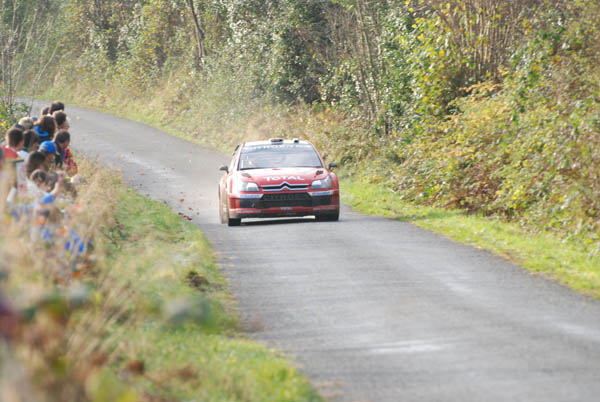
(526,149)
(27,46)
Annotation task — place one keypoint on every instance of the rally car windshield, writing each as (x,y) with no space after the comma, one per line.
(278,156)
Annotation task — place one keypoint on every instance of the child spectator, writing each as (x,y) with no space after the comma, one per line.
(60,117)
(52,184)
(14,143)
(36,186)
(65,160)
(30,143)
(49,150)
(26,123)
(4,181)
(56,106)
(61,143)
(34,162)
(45,127)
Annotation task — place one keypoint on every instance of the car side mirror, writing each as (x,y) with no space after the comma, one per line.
(332,165)
(224,168)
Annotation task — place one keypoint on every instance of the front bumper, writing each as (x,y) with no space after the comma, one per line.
(286,204)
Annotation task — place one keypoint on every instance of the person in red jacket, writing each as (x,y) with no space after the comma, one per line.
(14,143)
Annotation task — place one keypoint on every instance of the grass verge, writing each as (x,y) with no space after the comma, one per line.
(568,262)
(194,352)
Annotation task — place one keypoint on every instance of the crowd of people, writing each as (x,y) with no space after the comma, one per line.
(40,177)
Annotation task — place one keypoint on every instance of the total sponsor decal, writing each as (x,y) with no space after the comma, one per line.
(280,178)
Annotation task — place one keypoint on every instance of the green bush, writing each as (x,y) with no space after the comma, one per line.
(527,149)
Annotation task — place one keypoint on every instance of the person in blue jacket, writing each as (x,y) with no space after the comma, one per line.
(45,127)
(48,148)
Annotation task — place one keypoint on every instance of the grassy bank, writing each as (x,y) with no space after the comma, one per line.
(146,315)
(198,354)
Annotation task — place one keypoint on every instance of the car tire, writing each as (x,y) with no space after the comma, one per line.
(234,222)
(328,217)
(222,214)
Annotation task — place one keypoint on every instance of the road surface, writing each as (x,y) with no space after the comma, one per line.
(371,309)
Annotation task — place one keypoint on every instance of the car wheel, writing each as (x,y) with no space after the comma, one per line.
(334,217)
(231,221)
(234,222)
(222,210)
(328,217)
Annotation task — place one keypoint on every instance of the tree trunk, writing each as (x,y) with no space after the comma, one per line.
(199,34)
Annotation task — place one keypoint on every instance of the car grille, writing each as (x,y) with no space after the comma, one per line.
(284,186)
(285,200)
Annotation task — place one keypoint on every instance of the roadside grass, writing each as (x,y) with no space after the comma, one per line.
(568,262)
(186,331)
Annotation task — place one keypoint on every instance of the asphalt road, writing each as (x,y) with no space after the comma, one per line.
(371,309)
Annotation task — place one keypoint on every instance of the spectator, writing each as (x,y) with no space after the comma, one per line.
(26,123)
(36,186)
(45,127)
(5,186)
(14,143)
(60,117)
(65,158)
(34,162)
(49,150)
(56,106)
(61,142)
(1,163)
(30,144)
(45,111)
(52,184)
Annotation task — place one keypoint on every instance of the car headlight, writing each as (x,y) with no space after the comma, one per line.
(247,186)
(322,183)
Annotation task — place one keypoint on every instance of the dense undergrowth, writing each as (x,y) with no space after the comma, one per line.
(145,316)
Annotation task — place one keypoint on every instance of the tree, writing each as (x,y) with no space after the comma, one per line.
(26,47)
(199,34)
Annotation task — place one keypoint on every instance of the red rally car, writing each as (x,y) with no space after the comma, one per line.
(278,178)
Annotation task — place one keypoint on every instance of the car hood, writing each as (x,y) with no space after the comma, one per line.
(280,175)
